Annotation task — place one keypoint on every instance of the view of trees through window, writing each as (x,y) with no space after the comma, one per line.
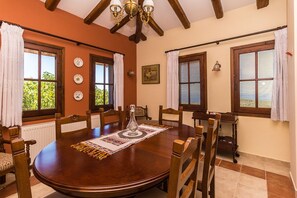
(39,80)
(101,83)
(48,94)
(42,89)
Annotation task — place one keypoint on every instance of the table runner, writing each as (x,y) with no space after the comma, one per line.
(104,146)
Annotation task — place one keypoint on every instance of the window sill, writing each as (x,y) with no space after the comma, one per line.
(252,114)
(37,120)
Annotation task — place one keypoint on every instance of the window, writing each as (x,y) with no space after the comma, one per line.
(192,82)
(253,77)
(101,83)
(43,89)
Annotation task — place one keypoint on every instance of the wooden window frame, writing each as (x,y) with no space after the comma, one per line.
(106,61)
(47,113)
(203,81)
(235,81)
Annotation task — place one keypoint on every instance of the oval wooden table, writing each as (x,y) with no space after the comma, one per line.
(123,174)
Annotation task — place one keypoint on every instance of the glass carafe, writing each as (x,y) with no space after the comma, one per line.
(132,125)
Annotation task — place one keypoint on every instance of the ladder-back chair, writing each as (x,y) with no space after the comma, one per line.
(183,177)
(6,160)
(110,117)
(72,124)
(172,113)
(207,184)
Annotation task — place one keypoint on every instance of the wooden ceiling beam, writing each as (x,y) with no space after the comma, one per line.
(94,14)
(138,29)
(180,13)
(120,24)
(218,9)
(155,26)
(262,3)
(142,37)
(138,24)
(51,4)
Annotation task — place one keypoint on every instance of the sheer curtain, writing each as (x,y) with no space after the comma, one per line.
(279,106)
(118,80)
(11,75)
(172,79)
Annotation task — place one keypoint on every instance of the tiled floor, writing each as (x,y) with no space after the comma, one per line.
(251,177)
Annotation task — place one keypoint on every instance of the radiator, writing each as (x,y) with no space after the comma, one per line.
(44,133)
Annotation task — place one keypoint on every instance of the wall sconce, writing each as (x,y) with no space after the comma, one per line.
(217,67)
(131,73)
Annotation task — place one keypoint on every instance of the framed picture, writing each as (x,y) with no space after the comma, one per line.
(151,74)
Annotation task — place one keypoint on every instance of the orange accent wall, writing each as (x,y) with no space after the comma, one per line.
(33,14)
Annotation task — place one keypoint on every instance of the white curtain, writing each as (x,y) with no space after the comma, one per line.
(11,75)
(279,106)
(172,79)
(118,80)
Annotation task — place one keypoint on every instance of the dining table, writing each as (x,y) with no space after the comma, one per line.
(128,172)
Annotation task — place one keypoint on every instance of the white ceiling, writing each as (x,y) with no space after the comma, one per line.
(163,14)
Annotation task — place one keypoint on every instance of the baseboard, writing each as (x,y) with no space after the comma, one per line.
(294,184)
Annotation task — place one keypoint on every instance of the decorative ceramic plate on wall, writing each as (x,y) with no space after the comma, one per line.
(78,95)
(78,62)
(78,79)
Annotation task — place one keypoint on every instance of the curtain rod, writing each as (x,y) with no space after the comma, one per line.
(63,38)
(227,39)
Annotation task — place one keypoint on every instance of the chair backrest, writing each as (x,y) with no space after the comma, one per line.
(210,151)
(74,123)
(111,116)
(184,166)
(171,112)
(141,113)
(2,150)
(21,167)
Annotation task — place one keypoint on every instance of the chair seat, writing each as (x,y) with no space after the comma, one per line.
(5,161)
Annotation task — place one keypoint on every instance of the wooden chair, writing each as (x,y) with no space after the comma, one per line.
(141,113)
(183,178)
(72,124)
(21,167)
(110,117)
(6,159)
(171,112)
(207,184)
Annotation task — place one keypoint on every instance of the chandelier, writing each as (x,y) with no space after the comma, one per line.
(131,8)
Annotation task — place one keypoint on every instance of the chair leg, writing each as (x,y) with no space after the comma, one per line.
(165,185)
(2,179)
(204,192)
(212,188)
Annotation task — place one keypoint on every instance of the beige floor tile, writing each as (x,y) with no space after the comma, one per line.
(225,188)
(249,192)
(253,182)
(253,161)
(227,174)
(226,182)
(278,167)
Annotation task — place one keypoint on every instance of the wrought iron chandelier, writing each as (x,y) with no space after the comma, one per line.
(131,8)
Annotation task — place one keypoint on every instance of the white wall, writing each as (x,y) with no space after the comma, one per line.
(259,136)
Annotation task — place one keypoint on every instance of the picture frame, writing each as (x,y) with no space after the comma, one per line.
(151,74)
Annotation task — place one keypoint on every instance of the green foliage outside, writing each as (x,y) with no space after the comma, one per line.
(48,94)
(30,98)
(99,99)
